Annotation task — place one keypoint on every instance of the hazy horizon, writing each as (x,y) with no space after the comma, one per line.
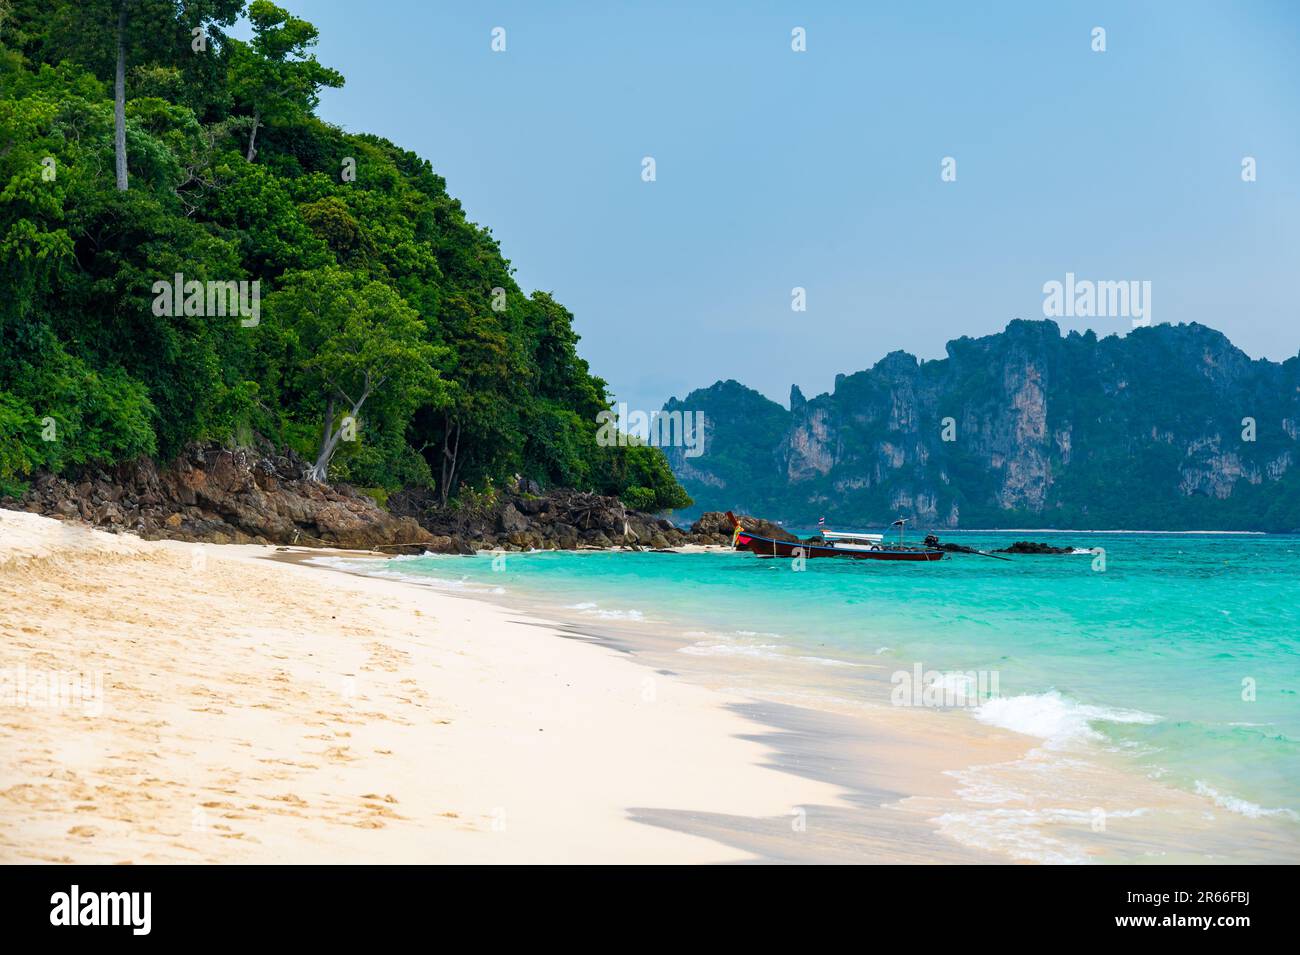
(822,169)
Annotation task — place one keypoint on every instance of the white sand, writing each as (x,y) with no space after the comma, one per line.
(259,711)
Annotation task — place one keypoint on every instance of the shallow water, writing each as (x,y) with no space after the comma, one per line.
(1181,658)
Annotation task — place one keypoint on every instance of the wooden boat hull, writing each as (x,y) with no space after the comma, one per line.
(768,547)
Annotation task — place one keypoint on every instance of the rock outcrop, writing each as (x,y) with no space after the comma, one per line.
(717,528)
(560,519)
(246,496)
(1031,547)
(223,495)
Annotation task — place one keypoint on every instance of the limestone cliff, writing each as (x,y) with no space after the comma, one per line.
(1169,427)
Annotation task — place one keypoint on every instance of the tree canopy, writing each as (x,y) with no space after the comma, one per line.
(363,320)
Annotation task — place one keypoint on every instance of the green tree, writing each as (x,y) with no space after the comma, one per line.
(106,36)
(360,346)
(380,295)
(275,76)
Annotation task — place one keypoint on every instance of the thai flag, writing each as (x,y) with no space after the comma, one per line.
(821,522)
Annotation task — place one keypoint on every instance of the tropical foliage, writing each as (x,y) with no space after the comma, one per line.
(388,341)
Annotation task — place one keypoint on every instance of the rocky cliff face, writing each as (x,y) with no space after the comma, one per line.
(225,496)
(1169,427)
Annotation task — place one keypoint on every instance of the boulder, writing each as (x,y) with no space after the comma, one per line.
(565,535)
(1029,547)
(511,521)
(714,524)
(531,506)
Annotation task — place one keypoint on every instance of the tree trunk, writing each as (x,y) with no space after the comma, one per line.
(446,439)
(330,436)
(325,429)
(252,137)
(119,100)
(320,471)
(449,454)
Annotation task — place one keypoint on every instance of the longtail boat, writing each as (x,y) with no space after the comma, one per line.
(837,544)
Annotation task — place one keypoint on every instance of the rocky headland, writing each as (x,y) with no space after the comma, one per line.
(261,495)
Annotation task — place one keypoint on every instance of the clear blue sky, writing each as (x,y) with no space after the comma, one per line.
(822,169)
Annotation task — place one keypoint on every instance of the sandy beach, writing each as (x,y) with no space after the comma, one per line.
(167,702)
(258,711)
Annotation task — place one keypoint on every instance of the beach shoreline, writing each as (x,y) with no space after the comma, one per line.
(984,784)
(257,711)
(259,707)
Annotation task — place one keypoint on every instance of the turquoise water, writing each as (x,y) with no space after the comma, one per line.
(1151,656)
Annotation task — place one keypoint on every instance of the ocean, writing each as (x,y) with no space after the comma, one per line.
(1172,657)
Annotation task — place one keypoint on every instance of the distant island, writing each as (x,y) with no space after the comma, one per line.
(1170,427)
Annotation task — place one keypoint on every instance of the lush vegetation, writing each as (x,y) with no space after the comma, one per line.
(1147,431)
(386,339)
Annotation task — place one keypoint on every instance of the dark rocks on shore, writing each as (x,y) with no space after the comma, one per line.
(510,520)
(1029,547)
(933,542)
(257,496)
(225,496)
(558,519)
(715,525)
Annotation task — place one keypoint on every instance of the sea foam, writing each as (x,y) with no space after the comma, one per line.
(1053,717)
(1242,807)
(765,651)
(589,609)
